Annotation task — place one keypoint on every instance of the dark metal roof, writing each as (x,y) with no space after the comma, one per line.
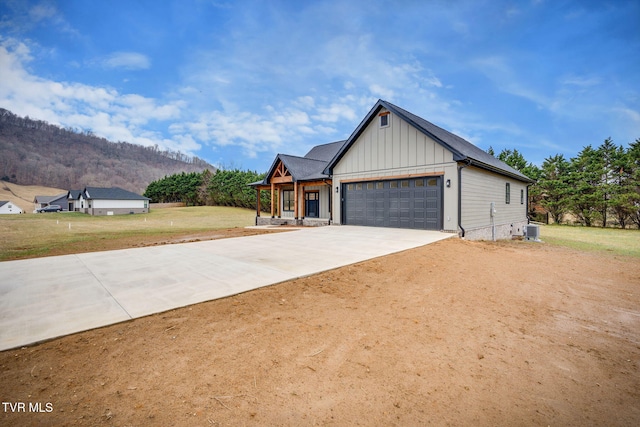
(300,168)
(462,149)
(113,193)
(303,169)
(3,202)
(308,168)
(325,152)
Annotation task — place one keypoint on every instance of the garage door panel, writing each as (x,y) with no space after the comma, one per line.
(409,203)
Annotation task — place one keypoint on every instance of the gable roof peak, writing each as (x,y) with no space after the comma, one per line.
(462,149)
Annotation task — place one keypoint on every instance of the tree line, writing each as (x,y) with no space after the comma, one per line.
(220,188)
(598,187)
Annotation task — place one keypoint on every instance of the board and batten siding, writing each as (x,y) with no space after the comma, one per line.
(398,146)
(397,150)
(479,189)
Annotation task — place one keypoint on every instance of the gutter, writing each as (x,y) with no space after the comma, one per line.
(469,161)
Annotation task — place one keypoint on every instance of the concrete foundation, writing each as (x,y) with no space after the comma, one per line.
(307,222)
(114,211)
(502,231)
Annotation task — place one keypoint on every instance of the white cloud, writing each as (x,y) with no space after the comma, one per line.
(126,60)
(581,81)
(103,110)
(335,112)
(42,11)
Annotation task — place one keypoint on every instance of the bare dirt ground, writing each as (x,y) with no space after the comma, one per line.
(455,333)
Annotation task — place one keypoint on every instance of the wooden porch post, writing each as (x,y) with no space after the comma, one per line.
(279,202)
(295,200)
(273,198)
(257,201)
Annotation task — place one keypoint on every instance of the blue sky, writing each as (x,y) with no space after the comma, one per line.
(235,82)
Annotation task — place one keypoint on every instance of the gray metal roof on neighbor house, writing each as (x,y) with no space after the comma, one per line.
(462,150)
(74,194)
(3,202)
(49,199)
(113,193)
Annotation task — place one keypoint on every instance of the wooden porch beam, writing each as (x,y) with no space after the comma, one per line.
(282,179)
(315,183)
(388,178)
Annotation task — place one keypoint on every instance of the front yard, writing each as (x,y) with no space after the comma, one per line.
(37,235)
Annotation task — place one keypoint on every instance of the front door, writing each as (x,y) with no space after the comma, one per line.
(312,204)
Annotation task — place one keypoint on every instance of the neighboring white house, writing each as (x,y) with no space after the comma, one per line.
(109,201)
(399,170)
(73,200)
(7,207)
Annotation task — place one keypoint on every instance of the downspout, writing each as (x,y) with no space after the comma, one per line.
(460,194)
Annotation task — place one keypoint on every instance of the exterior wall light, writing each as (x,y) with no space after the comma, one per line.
(337,189)
(448,183)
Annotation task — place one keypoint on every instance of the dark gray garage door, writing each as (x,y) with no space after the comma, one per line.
(405,203)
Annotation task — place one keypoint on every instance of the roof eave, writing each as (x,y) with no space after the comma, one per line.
(490,168)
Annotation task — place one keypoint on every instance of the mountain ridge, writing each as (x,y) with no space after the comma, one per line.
(34,152)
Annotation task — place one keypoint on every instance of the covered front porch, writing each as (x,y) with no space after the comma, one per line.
(294,202)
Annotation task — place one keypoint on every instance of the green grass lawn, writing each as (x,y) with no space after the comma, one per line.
(29,235)
(611,240)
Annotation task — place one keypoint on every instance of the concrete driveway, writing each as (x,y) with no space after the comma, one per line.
(50,297)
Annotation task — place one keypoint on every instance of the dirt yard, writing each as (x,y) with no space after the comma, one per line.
(455,333)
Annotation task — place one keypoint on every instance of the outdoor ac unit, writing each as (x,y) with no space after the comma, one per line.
(532,232)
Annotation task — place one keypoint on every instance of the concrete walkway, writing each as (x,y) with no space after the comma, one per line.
(49,297)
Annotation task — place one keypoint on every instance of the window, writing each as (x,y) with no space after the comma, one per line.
(433,182)
(393,184)
(287,201)
(359,186)
(380,185)
(419,182)
(507,196)
(404,184)
(369,185)
(350,187)
(384,120)
(521,197)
